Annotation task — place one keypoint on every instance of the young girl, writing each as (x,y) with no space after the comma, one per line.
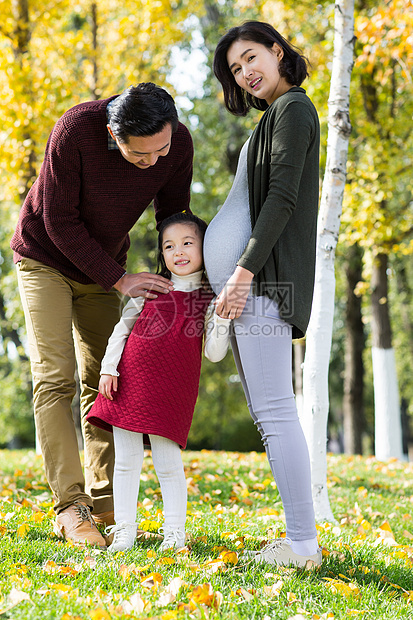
(260,258)
(157,358)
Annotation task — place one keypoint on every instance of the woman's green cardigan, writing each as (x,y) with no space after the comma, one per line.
(283,183)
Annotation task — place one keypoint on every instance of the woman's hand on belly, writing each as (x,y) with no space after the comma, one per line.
(232,299)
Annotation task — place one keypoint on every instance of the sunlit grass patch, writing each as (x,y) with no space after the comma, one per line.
(233,504)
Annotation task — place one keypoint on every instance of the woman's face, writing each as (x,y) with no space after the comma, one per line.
(182,249)
(255,68)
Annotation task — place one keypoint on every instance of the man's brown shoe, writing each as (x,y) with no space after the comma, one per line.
(76,524)
(106,519)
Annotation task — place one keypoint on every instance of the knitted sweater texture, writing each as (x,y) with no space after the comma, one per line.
(77,215)
(159,369)
(283,183)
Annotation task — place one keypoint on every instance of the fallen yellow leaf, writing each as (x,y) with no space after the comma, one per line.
(50,567)
(274,590)
(17,596)
(22,530)
(135,604)
(229,557)
(205,595)
(152,580)
(386,527)
(124,572)
(175,585)
(99,614)
(337,586)
(166,560)
(170,615)
(203,539)
(61,587)
(247,595)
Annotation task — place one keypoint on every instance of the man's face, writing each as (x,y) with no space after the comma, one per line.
(143,151)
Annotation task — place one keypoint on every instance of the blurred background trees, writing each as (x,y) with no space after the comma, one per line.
(55,54)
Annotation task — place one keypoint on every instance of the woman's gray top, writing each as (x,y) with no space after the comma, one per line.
(229,232)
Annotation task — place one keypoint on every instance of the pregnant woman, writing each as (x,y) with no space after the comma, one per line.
(259,254)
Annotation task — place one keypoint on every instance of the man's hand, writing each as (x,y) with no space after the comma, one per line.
(107,384)
(232,299)
(143,284)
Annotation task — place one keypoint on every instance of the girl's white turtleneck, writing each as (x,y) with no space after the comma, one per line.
(216,328)
(188,283)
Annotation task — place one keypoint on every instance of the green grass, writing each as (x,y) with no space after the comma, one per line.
(367,570)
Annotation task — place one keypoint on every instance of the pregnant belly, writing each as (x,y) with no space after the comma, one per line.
(224,243)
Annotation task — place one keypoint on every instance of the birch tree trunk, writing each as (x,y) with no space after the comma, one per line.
(318,346)
(387,419)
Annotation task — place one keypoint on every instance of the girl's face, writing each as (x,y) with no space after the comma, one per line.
(182,249)
(255,68)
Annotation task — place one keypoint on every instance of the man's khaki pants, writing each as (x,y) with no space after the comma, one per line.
(68,322)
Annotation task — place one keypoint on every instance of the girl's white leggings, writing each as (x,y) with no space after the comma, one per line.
(166,456)
(262,347)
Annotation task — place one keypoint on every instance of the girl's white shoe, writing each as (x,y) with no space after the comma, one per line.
(124,536)
(174,538)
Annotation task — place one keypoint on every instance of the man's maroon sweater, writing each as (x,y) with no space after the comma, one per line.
(77,215)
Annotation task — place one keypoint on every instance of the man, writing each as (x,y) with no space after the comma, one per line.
(105,162)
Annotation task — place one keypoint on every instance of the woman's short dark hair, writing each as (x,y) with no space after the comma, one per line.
(178,218)
(142,110)
(293,65)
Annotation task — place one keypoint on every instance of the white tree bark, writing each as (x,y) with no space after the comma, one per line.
(388,432)
(387,416)
(315,379)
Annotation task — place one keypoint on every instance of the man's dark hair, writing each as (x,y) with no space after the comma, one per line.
(293,65)
(142,110)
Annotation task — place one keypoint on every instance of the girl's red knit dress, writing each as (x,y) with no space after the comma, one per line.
(159,369)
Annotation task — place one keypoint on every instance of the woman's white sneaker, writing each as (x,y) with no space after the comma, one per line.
(174,538)
(124,535)
(279,552)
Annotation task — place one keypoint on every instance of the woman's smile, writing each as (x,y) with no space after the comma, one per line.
(255,68)
(254,83)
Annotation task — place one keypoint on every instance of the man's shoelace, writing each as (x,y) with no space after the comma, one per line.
(83,512)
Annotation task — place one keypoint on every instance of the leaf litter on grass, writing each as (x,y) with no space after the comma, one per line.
(233,504)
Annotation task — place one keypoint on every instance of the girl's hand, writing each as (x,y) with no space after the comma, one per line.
(108,383)
(232,299)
